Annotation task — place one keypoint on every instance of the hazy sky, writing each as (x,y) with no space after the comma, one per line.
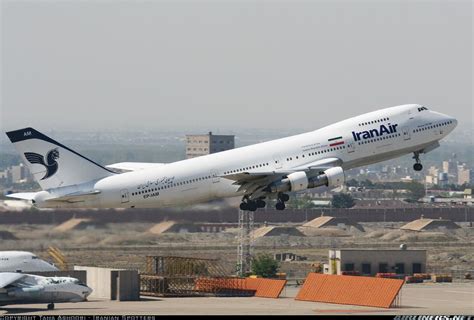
(87,65)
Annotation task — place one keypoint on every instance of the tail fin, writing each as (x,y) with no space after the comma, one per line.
(52,164)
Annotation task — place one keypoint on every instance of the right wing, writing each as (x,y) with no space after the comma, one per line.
(133,166)
(80,196)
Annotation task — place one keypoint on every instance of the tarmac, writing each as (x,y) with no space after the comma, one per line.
(425,299)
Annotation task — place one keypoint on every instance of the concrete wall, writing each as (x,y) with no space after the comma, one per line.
(230,215)
(375,258)
(128,285)
(112,284)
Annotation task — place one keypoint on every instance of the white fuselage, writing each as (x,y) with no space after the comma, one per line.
(38,289)
(22,261)
(367,139)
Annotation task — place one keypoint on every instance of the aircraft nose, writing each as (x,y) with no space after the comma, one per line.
(455,122)
(87,291)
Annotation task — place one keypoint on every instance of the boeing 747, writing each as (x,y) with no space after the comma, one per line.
(256,172)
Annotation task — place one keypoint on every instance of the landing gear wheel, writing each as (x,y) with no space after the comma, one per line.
(280,206)
(50,306)
(284,197)
(244,206)
(417,167)
(252,206)
(260,203)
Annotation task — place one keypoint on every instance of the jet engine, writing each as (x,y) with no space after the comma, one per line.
(296,181)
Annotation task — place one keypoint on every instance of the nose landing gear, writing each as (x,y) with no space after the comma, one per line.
(417,166)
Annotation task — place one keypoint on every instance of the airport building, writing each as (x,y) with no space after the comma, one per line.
(373,261)
(203,144)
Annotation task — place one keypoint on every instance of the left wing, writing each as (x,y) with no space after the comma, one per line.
(255,182)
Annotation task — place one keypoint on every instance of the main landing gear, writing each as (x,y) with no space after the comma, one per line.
(252,205)
(417,166)
(50,306)
(282,198)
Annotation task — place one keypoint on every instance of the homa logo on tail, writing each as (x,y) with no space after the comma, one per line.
(384,129)
(51,164)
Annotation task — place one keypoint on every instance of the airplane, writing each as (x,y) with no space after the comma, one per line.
(255,172)
(20,288)
(22,261)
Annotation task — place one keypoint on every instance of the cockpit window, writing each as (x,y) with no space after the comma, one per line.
(34,257)
(422,109)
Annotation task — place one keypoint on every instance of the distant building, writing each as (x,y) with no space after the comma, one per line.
(464,174)
(372,261)
(203,144)
(446,166)
(17,174)
(431,179)
(443,178)
(406,179)
(433,171)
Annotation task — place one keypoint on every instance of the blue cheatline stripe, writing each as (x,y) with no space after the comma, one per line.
(30,133)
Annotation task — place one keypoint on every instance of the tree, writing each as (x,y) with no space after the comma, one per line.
(416,190)
(264,266)
(342,200)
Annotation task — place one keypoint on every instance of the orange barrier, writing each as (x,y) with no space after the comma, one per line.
(353,290)
(264,288)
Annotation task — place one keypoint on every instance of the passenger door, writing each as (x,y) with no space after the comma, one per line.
(350,146)
(406,133)
(215,176)
(124,196)
(277,161)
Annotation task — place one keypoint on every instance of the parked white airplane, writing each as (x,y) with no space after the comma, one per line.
(19,288)
(255,172)
(22,261)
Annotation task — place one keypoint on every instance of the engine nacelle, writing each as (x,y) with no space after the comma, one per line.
(335,177)
(298,181)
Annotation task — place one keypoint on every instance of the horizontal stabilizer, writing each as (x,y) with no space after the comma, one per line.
(75,197)
(23,195)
